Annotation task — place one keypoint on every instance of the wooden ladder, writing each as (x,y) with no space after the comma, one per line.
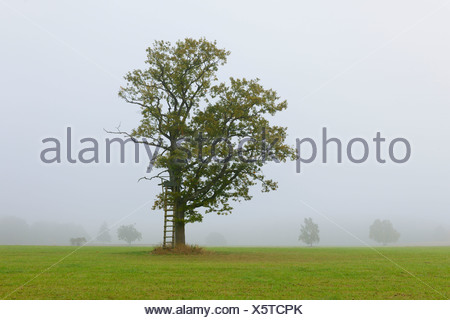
(169,220)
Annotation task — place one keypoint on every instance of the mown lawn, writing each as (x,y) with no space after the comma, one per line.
(226,273)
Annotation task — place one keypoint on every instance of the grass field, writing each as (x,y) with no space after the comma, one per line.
(227,273)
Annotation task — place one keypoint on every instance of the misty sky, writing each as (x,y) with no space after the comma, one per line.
(355,67)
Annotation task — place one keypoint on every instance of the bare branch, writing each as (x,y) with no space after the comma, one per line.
(159,145)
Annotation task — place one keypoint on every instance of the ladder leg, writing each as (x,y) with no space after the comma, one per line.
(169,226)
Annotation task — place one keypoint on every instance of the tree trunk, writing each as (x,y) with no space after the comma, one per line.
(179,234)
(180,224)
(180,238)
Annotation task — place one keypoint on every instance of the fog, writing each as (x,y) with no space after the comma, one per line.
(355,68)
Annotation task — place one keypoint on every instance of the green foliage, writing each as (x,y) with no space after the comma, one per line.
(185,109)
(383,232)
(309,232)
(128,234)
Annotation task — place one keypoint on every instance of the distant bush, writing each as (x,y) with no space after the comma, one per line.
(16,231)
(78,241)
(215,239)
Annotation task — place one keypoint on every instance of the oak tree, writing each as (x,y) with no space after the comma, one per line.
(214,137)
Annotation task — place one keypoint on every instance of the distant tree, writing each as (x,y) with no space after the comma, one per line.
(441,234)
(309,232)
(215,239)
(14,230)
(52,233)
(103,233)
(77,241)
(128,234)
(383,232)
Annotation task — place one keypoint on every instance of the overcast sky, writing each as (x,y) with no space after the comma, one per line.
(354,67)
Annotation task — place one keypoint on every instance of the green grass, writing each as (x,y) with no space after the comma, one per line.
(228,273)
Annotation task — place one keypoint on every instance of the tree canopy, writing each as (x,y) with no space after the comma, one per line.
(214,137)
(128,234)
(103,233)
(309,232)
(383,232)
